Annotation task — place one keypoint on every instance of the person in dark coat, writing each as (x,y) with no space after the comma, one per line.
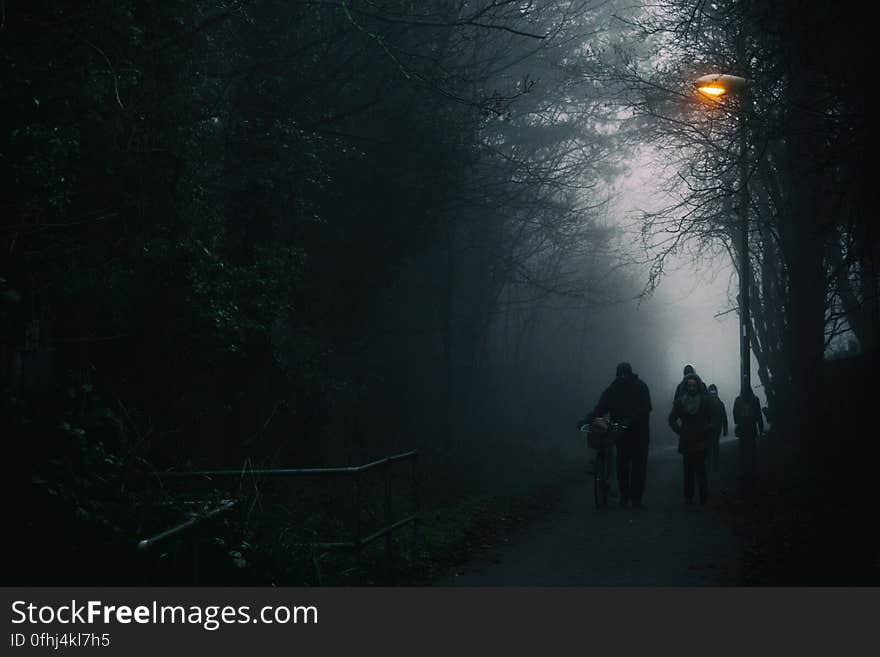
(748,425)
(679,389)
(719,426)
(691,419)
(628,401)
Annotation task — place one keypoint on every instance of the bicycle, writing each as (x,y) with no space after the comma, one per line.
(602,437)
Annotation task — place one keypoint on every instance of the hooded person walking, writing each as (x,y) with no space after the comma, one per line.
(679,389)
(691,419)
(748,425)
(719,427)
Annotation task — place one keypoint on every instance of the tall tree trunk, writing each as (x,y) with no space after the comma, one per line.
(801,234)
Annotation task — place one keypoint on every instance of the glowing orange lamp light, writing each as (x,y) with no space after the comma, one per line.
(716,85)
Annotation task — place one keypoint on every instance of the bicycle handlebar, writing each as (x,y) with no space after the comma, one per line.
(612,426)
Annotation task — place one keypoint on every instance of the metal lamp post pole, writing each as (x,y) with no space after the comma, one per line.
(744,260)
(714,86)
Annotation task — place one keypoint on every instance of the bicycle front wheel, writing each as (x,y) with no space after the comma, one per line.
(600,482)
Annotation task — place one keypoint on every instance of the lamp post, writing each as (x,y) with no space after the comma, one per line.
(714,87)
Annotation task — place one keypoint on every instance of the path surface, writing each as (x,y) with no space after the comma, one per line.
(663,544)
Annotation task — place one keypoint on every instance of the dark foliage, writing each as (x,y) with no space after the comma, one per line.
(235,233)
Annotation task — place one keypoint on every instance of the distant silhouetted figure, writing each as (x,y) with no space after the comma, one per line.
(769,419)
(679,389)
(749,424)
(628,401)
(718,426)
(691,419)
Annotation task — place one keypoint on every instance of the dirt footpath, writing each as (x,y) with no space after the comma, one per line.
(663,544)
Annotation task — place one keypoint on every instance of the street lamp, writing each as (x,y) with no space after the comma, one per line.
(714,86)
(718,84)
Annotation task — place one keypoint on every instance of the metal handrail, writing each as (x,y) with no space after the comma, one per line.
(387,530)
(284,472)
(358,542)
(147,543)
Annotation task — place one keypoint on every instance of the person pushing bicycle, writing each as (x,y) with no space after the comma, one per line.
(627,401)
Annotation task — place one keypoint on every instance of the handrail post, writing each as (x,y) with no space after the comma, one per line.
(195,558)
(388,521)
(357,520)
(357,509)
(416,509)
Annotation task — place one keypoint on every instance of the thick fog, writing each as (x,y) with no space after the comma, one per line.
(691,317)
(567,354)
